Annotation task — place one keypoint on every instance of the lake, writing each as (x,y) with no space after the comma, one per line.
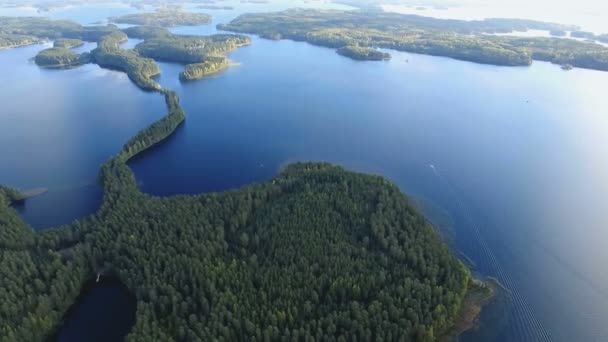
(101,304)
(510,159)
(59,126)
(510,155)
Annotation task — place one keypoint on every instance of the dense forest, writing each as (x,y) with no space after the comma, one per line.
(363,53)
(206,52)
(108,54)
(67,43)
(15,40)
(200,70)
(164,18)
(58,57)
(190,49)
(316,253)
(464,40)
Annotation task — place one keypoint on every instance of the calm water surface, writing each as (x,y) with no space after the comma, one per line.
(59,126)
(512,155)
(104,312)
(512,158)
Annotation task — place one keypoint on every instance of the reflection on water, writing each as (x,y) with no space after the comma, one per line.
(519,172)
(511,149)
(59,126)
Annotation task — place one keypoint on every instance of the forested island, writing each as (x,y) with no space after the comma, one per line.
(190,49)
(59,57)
(207,68)
(138,63)
(67,43)
(164,18)
(464,40)
(215,7)
(363,53)
(315,253)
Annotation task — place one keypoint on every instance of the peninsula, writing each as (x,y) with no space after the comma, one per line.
(463,40)
(316,253)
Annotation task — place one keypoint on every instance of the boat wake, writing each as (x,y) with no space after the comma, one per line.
(526,325)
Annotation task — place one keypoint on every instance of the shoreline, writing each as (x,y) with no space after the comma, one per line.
(479,294)
(22,45)
(25,195)
(117,179)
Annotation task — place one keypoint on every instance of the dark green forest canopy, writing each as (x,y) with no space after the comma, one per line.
(67,43)
(363,53)
(190,49)
(200,70)
(8,40)
(138,63)
(464,40)
(315,253)
(59,57)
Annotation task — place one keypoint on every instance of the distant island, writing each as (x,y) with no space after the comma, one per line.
(316,253)
(463,40)
(67,43)
(363,53)
(164,18)
(138,63)
(215,7)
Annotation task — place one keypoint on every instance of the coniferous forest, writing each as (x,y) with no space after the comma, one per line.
(316,253)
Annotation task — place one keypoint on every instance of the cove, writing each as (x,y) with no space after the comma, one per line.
(511,156)
(508,154)
(65,124)
(104,311)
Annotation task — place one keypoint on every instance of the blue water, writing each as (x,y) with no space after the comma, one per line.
(59,126)
(105,312)
(513,157)
(516,154)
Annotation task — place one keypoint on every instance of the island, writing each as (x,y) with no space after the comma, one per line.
(211,66)
(59,57)
(215,7)
(567,67)
(190,49)
(582,34)
(164,18)
(203,55)
(463,40)
(363,53)
(138,63)
(146,32)
(67,43)
(316,253)
(602,38)
(558,33)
